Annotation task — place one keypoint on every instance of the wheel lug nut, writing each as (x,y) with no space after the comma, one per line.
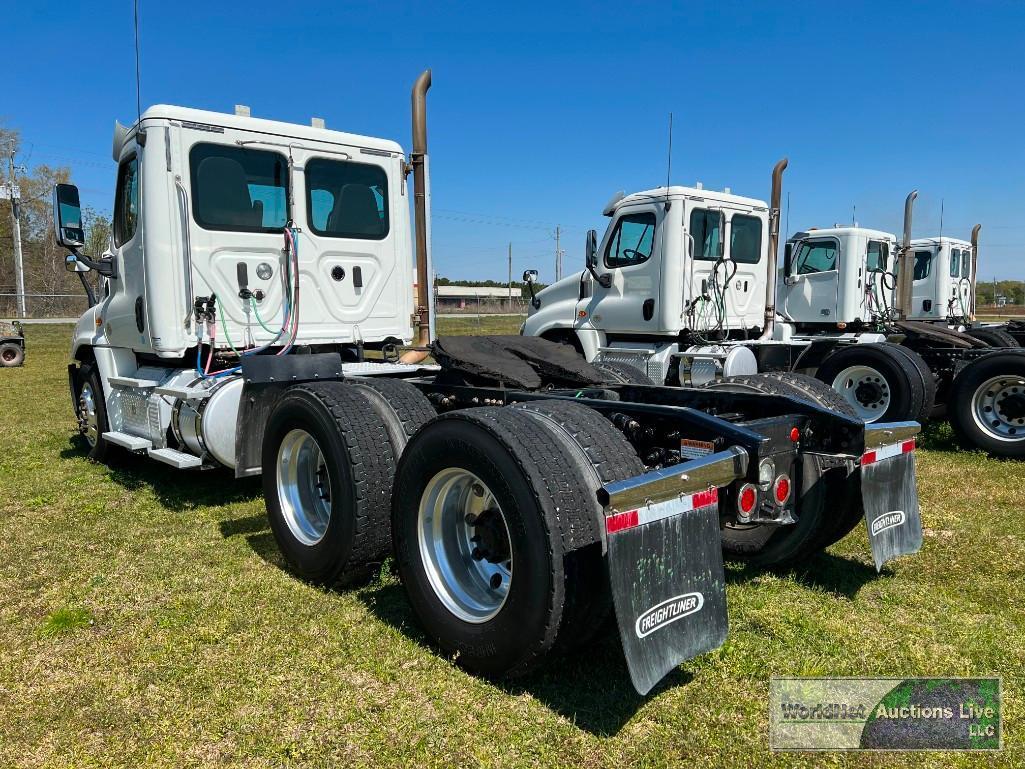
(478,490)
(477,554)
(496,581)
(470,519)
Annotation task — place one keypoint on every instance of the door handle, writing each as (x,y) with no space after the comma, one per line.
(648,309)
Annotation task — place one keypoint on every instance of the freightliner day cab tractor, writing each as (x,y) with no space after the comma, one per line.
(523,492)
(683,287)
(946,276)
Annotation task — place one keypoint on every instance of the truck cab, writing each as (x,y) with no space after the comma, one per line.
(943,286)
(202,205)
(837,275)
(671,260)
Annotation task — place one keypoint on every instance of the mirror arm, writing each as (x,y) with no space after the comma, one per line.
(534,301)
(106,267)
(88,289)
(604,280)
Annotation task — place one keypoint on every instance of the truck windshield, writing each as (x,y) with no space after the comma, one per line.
(745,239)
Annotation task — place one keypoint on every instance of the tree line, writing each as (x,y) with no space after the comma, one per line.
(42,258)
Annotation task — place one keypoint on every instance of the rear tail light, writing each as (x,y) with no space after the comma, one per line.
(747,499)
(781,489)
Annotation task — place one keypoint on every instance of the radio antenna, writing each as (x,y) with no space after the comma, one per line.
(941,216)
(138,94)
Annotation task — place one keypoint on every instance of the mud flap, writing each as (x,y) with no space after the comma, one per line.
(666,568)
(889,494)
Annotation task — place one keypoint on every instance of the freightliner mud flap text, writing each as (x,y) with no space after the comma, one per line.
(889,492)
(665,563)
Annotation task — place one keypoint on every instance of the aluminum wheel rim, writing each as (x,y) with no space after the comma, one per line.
(304,487)
(854,381)
(469,585)
(88,422)
(988,409)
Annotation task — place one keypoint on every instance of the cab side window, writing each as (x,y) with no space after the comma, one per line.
(878,254)
(347,200)
(966,263)
(816,256)
(126,201)
(706,229)
(955,262)
(632,240)
(923,264)
(745,239)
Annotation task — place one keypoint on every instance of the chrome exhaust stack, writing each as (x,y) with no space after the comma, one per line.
(905,272)
(975,270)
(421,186)
(770,281)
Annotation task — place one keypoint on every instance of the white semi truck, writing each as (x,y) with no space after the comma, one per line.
(523,492)
(684,286)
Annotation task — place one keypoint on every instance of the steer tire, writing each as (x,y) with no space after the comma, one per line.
(822,502)
(899,388)
(11,355)
(513,464)
(994,337)
(402,407)
(359,465)
(603,453)
(623,373)
(88,381)
(1005,373)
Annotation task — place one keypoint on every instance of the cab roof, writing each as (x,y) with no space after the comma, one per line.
(689,193)
(836,232)
(942,240)
(270,127)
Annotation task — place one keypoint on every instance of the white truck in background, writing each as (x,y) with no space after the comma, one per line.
(522,491)
(684,286)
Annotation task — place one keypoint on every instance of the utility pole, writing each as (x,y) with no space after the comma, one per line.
(558,254)
(510,278)
(14,194)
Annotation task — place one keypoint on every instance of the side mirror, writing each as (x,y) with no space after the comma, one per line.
(591,250)
(530,278)
(788,258)
(71,264)
(67,216)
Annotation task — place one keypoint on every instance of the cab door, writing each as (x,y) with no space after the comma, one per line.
(630,257)
(814,281)
(124,309)
(745,233)
(926,302)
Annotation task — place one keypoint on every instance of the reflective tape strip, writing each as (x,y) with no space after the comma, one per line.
(885,452)
(650,513)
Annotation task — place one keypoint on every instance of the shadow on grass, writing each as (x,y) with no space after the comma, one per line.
(591,686)
(176,490)
(834,574)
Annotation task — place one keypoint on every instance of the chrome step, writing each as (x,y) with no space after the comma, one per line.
(130,442)
(127,381)
(175,458)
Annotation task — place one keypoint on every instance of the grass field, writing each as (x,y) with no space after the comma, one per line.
(146,620)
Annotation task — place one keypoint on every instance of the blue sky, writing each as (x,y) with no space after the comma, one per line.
(539,112)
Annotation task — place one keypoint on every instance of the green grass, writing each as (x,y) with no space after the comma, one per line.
(146,620)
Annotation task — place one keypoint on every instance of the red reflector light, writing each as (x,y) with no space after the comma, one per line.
(621,521)
(781,489)
(908,446)
(748,499)
(868,457)
(795,434)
